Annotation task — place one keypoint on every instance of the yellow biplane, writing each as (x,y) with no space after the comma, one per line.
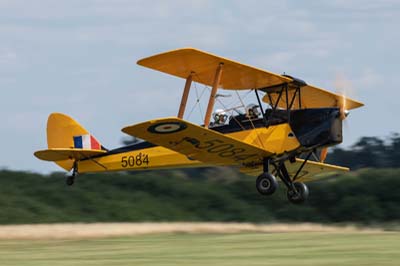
(277,137)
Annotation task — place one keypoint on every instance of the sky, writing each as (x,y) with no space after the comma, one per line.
(79,58)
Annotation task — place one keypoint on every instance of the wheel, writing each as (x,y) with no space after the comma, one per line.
(70,180)
(266,184)
(299,195)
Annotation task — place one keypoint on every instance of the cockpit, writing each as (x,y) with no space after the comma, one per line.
(251,118)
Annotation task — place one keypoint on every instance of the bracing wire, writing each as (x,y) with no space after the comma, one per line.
(198,98)
(225,108)
(235,102)
(233,117)
(251,122)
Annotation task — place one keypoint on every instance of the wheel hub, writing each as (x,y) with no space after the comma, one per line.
(265,184)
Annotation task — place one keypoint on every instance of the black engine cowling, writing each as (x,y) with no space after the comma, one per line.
(317,127)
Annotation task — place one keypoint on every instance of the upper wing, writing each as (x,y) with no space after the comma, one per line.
(312,97)
(237,76)
(197,142)
(310,172)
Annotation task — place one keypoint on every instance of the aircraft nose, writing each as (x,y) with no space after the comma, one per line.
(317,127)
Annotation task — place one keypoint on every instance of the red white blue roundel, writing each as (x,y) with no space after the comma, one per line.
(167,127)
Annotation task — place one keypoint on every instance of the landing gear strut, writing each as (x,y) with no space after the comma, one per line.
(297,191)
(71,179)
(298,194)
(266,183)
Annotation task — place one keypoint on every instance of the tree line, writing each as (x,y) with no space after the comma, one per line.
(368,195)
(371,152)
(213,194)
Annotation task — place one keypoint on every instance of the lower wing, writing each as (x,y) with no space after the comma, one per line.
(310,172)
(197,142)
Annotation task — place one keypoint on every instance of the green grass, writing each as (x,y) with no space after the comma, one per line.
(210,249)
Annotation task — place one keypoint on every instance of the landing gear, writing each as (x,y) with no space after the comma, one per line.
(298,194)
(266,184)
(71,179)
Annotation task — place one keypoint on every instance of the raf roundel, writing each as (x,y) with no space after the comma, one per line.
(167,128)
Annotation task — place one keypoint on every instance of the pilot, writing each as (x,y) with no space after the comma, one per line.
(220,117)
(252,111)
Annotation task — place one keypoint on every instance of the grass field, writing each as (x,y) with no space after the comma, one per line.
(288,248)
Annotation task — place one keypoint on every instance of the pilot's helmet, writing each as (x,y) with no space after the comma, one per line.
(220,117)
(252,111)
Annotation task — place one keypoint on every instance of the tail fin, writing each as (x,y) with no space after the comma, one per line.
(63,132)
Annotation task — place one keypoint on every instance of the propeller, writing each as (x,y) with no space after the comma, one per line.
(342,108)
(343,86)
(340,83)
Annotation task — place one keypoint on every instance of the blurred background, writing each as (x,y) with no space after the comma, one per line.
(368,196)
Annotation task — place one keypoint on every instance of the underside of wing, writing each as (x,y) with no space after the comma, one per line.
(61,154)
(235,75)
(310,172)
(196,142)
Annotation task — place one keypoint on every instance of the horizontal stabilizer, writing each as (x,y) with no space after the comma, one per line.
(197,142)
(60,154)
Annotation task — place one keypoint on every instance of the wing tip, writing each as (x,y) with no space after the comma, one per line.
(143,61)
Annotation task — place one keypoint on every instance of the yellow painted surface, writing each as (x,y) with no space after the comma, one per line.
(274,139)
(182,62)
(60,154)
(60,131)
(157,158)
(194,146)
(199,143)
(237,76)
(311,171)
(313,97)
(261,141)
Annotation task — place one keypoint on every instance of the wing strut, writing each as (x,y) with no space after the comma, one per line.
(185,95)
(217,79)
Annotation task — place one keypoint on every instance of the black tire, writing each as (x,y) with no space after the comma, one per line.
(266,184)
(70,180)
(299,195)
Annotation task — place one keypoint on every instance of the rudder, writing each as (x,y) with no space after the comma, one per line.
(64,132)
